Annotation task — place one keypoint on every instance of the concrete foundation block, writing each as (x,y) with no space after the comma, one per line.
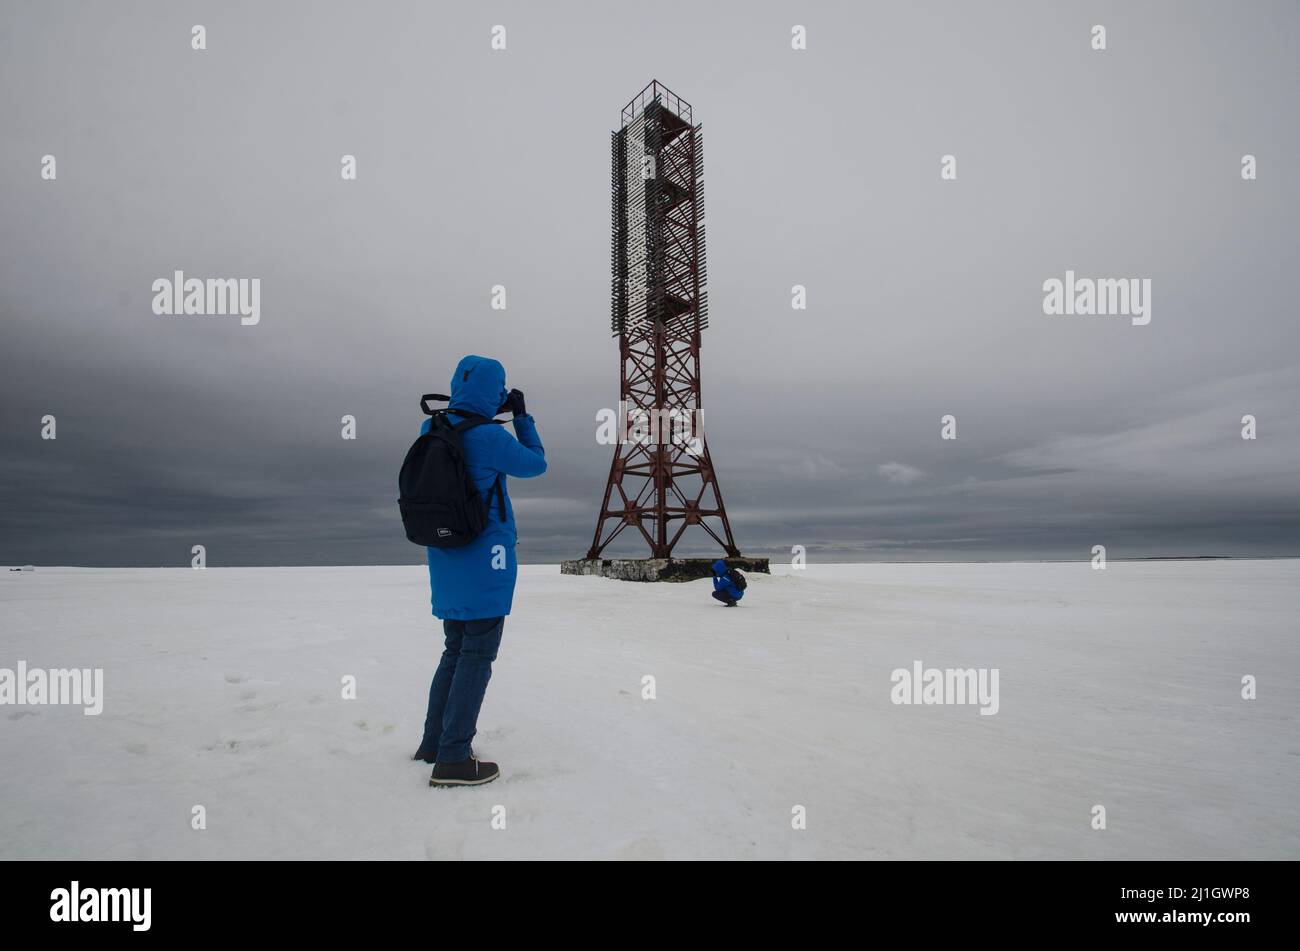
(658,569)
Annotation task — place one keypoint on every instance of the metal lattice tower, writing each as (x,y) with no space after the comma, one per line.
(660,484)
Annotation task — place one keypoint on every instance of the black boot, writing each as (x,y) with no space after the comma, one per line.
(469,773)
(729,602)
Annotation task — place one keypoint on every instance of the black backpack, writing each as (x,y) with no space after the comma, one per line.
(737,579)
(440,505)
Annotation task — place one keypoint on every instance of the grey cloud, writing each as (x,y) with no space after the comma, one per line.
(821,169)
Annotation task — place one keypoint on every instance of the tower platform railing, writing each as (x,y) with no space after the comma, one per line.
(669,99)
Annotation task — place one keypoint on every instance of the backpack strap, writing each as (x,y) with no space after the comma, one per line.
(501,496)
(469,421)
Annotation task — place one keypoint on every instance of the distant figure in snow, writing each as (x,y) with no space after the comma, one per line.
(727,587)
(473,586)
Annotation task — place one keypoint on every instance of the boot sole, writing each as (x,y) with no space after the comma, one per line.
(463,782)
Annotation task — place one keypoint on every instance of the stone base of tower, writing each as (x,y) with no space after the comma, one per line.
(658,569)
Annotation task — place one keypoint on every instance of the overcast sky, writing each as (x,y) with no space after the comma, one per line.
(479,167)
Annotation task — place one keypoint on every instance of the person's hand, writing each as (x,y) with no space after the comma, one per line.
(515,403)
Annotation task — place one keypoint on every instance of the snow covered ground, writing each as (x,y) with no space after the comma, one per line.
(1119,688)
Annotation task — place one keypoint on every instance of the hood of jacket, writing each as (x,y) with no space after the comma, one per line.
(719,567)
(478,385)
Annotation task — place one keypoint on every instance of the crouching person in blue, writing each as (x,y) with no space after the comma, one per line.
(473,586)
(725,588)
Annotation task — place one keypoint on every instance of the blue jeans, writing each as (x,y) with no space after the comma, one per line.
(456,694)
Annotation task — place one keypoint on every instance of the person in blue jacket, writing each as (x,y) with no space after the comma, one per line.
(472,587)
(724,587)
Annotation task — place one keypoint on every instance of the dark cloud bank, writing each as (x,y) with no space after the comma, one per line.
(822,169)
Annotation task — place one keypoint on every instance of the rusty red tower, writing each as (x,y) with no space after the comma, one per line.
(662,479)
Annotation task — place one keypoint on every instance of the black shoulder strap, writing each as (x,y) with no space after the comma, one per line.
(501,496)
(438,397)
(470,419)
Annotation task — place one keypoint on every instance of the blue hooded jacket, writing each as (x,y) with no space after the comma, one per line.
(722,581)
(478,579)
